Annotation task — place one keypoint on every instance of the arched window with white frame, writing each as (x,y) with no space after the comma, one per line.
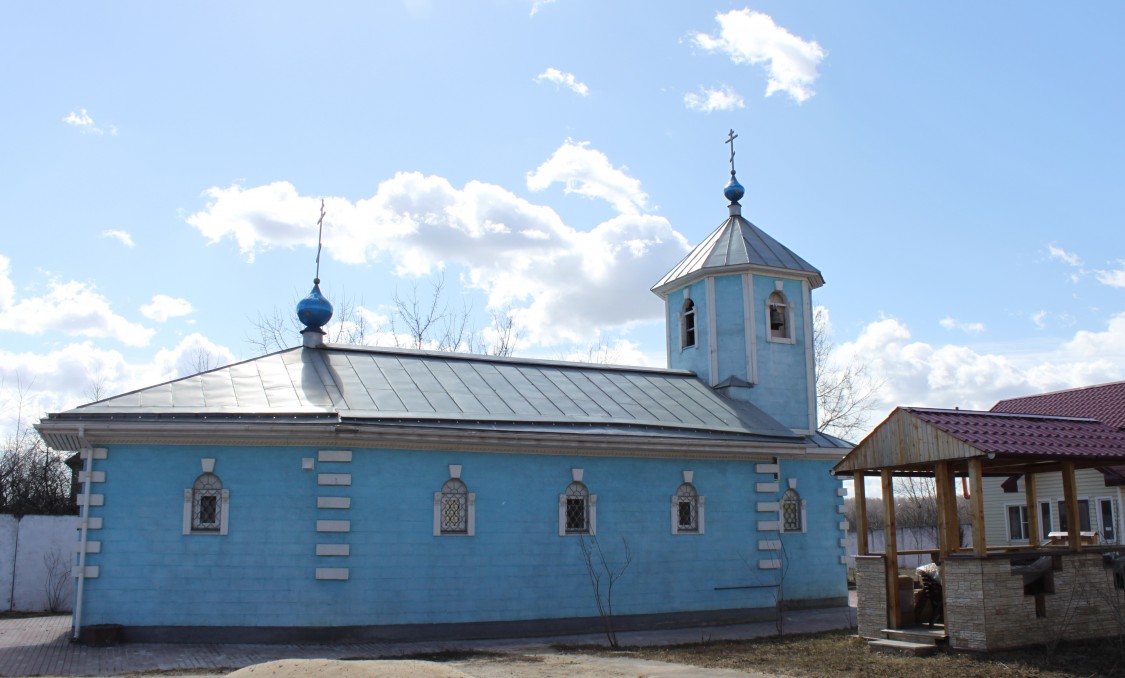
(206,504)
(454,507)
(578,509)
(779,315)
(687,324)
(792,511)
(687,508)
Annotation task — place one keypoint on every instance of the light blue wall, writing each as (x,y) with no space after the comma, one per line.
(695,358)
(782,388)
(516,567)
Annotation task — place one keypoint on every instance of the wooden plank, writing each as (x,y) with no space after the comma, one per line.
(1073,520)
(1033,534)
(890,540)
(976,504)
(860,492)
(941,479)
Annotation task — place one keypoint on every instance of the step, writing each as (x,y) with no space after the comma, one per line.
(918,634)
(902,647)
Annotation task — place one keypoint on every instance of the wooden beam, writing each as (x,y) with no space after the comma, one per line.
(942,480)
(890,548)
(1073,520)
(860,492)
(976,503)
(1033,534)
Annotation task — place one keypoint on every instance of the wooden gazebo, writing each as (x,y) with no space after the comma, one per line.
(987,605)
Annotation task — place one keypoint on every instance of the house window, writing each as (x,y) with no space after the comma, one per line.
(792,511)
(687,333)
(577,508)
(1106,520)
(1083,516)
(206,506)
(454,507)
(1017,522)
(779,318)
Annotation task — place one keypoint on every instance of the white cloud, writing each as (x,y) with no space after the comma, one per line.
(565,284)
(72,308)
(84,122)
(537,5)
(954,324)
(1039,318)
(588,172)
(752,37)
(707,100)
(121,236)
(1059,254)
(1113,278)
(163,307)
(915,373)
(565,79)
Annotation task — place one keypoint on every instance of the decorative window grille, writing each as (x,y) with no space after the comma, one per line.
(577,508)
(687,338)
(778,316)
(687,509)
(454,507)
(792,512)
(207,503)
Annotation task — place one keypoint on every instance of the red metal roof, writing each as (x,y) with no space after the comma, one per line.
(1105,402)
(1028,435)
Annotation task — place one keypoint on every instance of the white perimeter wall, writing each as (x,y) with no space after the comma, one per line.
(25,547)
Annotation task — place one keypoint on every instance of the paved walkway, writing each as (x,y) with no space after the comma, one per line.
(40,646)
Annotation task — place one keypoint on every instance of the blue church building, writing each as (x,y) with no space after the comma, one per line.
(352,492)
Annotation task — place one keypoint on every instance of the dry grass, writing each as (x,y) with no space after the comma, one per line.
(837,653)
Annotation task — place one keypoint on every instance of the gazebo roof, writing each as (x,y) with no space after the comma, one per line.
(912,439)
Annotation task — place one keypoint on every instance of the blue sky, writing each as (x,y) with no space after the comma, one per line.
(954,169)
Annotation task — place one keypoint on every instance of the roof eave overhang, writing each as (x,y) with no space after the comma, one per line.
(72,435)
(663,289)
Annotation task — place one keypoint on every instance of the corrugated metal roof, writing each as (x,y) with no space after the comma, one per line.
(372,385)
(1027,435)
(738,244)
(1105,402)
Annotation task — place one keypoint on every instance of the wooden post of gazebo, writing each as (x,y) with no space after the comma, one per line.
(1033,533)
(976,504)
(860,492)
(949,538)
(890,548)
(1073,520)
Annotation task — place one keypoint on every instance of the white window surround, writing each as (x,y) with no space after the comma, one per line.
(196,495)
(1104,521)
(455,496)
(689,326)
(575,491)
(777,302)
(1045,520)
(1060,509)
(687,493)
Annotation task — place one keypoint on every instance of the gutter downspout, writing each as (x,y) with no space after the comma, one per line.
(84,522)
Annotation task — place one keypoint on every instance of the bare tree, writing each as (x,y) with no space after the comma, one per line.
(56,567)
(845,392)
(34,479)
(602,578)
(276,330)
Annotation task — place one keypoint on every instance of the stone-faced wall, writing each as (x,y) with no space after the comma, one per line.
(986,609)
(871,595)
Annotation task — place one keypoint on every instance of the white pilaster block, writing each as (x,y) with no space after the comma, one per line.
(341,456)
(843,560)
(332,573)
(95,477)
(338,479)
(333,526)
(333,549)
(333,502)
(91,546)
(768,507)
(769,564)
(842,492)
(95,500)
(93,523)
(767,468)
(841,509)
(99,453)
(769,545)
(92,571)
(207,464)
(768,526)
(766,488)
(844,543)
(844,525)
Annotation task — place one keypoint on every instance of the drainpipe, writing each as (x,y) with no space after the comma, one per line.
(83,524)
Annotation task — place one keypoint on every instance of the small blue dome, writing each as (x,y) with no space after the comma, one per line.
(314,310)
(734,190)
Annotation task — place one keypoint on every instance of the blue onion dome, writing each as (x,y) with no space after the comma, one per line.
(734,190)
(314,310)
